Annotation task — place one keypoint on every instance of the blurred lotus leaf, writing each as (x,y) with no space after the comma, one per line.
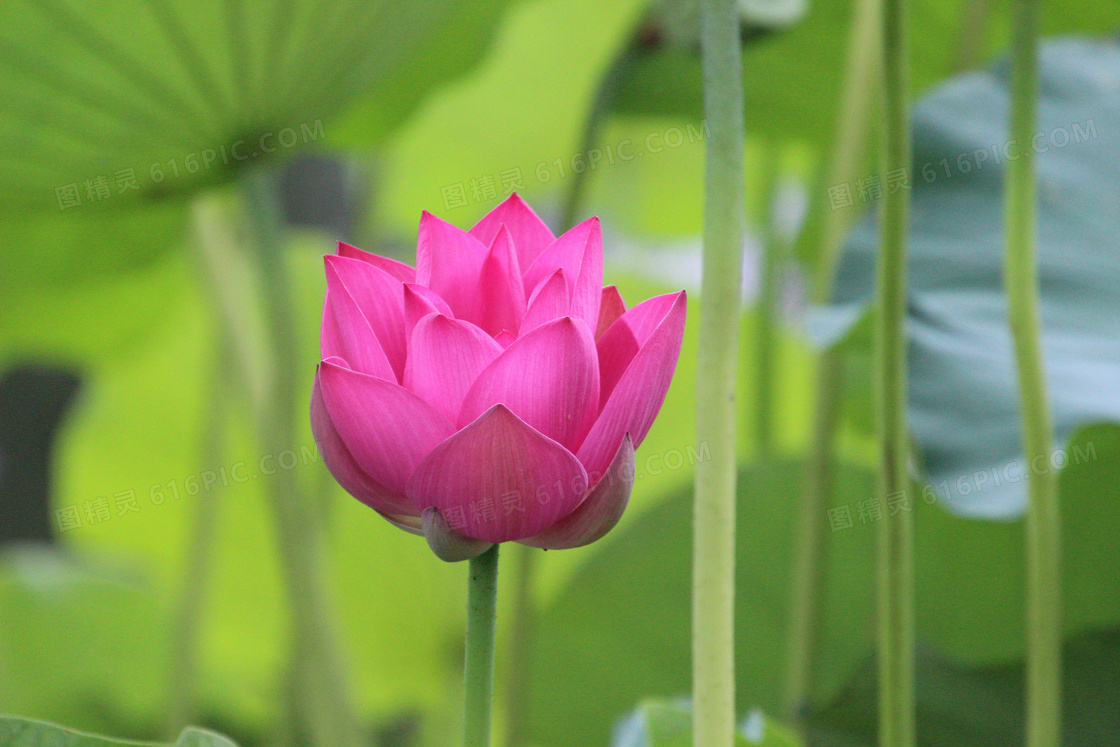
(114,102)
(964,399)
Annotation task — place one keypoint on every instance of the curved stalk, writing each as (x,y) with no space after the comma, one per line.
(200,549)
(605,95)
(811,541)
(322,691)
(808,571)
(766,336)
(1043,534)
(713,600)
(857,101)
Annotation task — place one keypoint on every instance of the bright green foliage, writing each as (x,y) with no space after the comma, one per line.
(161,98)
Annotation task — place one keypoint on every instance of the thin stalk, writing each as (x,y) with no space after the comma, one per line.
(807,588)
(478,662)
(713,580)
(896,533)
(1043,539)
(857,102)
(200,547)
(769,279)
(321,683)
(808,571)
(972,33)
(600,109)
(520,647)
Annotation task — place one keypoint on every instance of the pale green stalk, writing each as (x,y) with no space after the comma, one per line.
(811,541)
(896,533)
(478,663)
(1043,538)
(322,690)
(858,100)
(766,335)
(807,586)
(713,604)
(266,363)
(200,549)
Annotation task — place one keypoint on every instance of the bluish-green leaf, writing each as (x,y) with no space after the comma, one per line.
(963,388)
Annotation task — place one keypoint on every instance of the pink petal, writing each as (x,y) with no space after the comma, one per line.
(550,301)
(530,234)
(380,296)
(611,307)
(348,335)
(640,392)
(445,357)
(625,337)
(447,543)
(579,253)
(343,467)
(399,270)
(498,479)
(549,378)
(418,303)
(386,428)
(501,290)
(505,338)
(449,261)
(599,512)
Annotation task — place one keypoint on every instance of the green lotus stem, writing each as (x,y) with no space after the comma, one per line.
(765,333)
(972,33)
(322,693)
(858,99)
(605,95)
(200,549)
(807,588)
(808,570)
(713,598)
(1043,538)
(478,663)
(896,533)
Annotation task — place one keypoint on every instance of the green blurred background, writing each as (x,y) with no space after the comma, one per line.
(141,576)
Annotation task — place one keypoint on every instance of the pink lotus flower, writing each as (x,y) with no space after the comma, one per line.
(496,392)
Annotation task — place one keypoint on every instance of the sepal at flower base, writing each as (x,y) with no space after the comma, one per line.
(449,544)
